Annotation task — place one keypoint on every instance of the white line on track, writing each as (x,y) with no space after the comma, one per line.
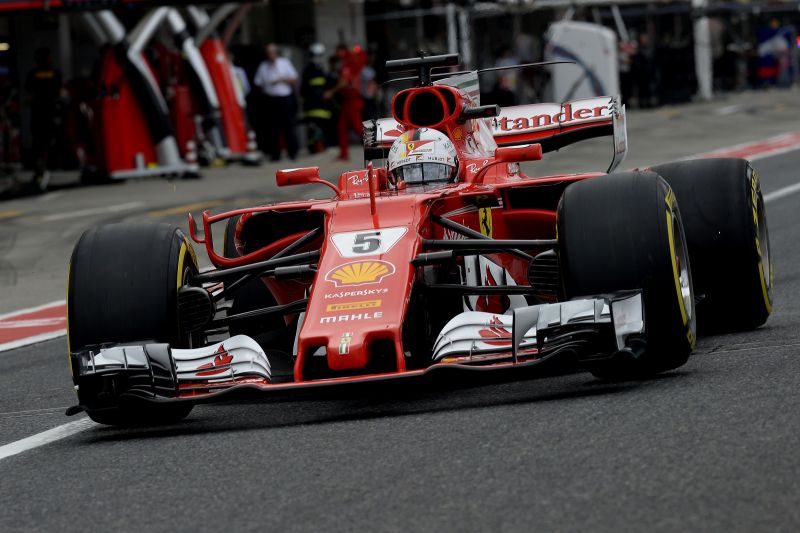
(27,341)
(781,193)
(33,323)
(45,437)
(93,211)
(33,309)
(51,196)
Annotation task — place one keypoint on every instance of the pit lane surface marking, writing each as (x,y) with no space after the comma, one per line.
(45,437)
(780,193)
(36,324)
(94,211)
(185,208)
(49,197)
(753,151)
(9,214)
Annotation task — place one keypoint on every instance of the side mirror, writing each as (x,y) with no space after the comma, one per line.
(302,176)
(511,154)
(297,176)
(516,154)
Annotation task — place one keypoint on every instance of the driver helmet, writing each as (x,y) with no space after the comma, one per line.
(422,155)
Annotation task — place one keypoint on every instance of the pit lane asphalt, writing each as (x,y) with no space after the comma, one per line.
(712,446)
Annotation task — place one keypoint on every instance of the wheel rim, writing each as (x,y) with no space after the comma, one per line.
(682,262)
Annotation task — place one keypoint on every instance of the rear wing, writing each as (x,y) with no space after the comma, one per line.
(554,126)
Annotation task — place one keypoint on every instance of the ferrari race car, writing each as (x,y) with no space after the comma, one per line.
(441,256)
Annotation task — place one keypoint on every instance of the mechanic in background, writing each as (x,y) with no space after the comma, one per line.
(317,112)
(277,79)
(43,83)
(369,88)
(348,92)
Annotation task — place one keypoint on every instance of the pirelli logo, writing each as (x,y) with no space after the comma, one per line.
(350,306)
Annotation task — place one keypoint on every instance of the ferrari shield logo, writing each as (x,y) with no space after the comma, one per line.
(485,219)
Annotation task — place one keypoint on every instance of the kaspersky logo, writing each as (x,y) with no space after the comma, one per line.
(359,273)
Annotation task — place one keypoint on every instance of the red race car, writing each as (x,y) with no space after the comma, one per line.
(441,257)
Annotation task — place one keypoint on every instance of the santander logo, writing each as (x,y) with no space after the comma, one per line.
(518,119)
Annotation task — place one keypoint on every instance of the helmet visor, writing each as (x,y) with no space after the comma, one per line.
(424,172)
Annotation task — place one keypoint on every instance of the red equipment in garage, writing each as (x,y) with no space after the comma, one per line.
(240,138)
(134,133)
(122,133)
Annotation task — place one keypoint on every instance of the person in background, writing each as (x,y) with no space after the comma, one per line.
(349,96)
(277,79)
(332,98)
(503,91)
(317,112)
(643,71)
(774,54)
(240,76)
(43,83)
(626,53)
(369,89)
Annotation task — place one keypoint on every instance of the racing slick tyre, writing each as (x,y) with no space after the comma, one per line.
(726,231)
(122,287)
(624,232)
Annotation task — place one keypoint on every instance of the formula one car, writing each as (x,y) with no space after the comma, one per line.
(441,256)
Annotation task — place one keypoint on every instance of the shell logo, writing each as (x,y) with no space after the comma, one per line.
(359,273)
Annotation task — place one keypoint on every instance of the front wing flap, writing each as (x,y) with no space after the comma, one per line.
(586,329)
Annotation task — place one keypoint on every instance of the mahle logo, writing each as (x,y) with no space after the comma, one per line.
(359,273)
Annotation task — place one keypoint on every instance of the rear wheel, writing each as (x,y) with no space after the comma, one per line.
(728,240)
(624,232)
(123,287)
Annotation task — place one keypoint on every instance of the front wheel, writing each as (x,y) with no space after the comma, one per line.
(624,232)
(123,287)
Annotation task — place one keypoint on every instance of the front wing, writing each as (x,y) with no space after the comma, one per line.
(588,329)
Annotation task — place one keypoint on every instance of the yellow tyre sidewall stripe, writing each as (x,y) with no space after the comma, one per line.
(186,248)
(670,201)
(765,291)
